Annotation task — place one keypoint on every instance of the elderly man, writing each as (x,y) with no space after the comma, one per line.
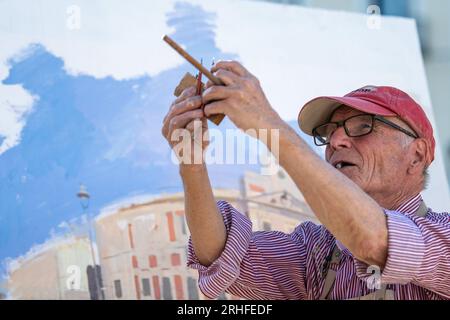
(379,144)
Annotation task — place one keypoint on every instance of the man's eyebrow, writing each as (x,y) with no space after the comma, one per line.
(350,109)
(336,110)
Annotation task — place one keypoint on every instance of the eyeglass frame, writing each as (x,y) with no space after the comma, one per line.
(374,117)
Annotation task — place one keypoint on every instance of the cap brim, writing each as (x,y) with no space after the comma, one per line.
(319,111)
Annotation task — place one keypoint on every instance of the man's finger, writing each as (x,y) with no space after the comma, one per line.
(191,126)
(209,84)
(193,104)
(226,76)
(197,130)
(180,121)
(195,126)
(216,93)
(218,107)
(232,66)
(184,106)
(186,93)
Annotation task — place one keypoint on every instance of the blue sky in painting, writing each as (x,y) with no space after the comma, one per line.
(103,132)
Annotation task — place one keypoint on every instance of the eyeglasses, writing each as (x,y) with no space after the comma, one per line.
(357,126)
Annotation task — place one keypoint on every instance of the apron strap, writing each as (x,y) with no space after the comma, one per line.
(335,258)
(336,255)
(380,294)
(423,210)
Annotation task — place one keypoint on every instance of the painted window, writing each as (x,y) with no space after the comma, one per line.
(192,288)
(256,188)
(146,291)
(156,287)
(171,226)
(137,287)
(134,262)
(167,290)
(118,288)
(181,220)
(179,287)
(176,259)
(152,261)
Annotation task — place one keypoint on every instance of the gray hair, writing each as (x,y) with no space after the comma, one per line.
(426,178)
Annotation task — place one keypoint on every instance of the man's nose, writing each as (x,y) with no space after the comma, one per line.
(340,139)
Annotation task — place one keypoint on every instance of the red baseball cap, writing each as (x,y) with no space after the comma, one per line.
(381,101)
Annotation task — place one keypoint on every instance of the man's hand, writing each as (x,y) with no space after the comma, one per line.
(208,232)
(241,99)
(186,117)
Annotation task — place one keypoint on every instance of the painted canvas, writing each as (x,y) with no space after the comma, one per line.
(84,87)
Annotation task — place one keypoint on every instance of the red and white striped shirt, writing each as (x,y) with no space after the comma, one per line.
(278,266)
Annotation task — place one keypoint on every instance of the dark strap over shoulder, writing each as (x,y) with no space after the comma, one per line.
(336,255)
(331,274)
(422,211)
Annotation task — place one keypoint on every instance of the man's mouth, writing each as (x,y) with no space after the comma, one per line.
(343,164)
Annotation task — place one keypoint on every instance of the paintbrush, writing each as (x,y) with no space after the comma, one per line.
(217,119)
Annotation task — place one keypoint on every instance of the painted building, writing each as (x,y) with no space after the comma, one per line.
(274,203)
(142,245)
(143,249)
(55,270)
(143,242)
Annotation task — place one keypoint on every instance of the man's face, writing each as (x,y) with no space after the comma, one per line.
(375,162)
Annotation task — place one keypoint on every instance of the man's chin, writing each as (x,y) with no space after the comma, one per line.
(350,172)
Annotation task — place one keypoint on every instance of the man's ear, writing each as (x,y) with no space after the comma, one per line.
(419,157)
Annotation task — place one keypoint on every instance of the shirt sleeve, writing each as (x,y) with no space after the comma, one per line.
(418,253)
(254,265)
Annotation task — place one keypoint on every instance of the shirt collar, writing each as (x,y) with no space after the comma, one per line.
(411,206)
